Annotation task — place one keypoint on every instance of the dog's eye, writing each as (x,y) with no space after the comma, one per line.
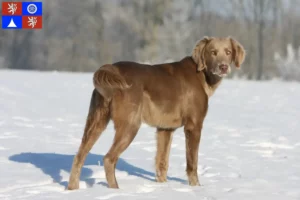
(228,53)
(214,53)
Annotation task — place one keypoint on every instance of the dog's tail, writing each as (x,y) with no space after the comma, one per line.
(107,78)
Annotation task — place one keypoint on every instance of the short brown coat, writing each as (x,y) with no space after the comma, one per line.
(166,96)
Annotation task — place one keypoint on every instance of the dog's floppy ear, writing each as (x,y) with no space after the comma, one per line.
(198,53)
(238,53)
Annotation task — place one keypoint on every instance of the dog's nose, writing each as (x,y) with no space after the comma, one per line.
(223,67)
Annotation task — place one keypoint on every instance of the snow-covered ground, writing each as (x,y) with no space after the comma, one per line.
(250,147)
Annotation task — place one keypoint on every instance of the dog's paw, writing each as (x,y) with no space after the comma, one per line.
(161,179)
(193,181)
(73,186)
(194,184)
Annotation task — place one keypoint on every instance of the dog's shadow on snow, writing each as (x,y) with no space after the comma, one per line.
(52,164)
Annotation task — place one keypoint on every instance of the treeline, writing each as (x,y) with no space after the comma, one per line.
(82,35)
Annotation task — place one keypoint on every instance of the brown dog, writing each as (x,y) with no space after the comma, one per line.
(165,96)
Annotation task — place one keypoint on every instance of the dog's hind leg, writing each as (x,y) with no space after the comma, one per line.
(97,120)
(192,137)
(164,139)
(124,136)
(127,121)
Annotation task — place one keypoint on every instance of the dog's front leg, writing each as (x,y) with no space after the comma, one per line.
(192,138)
(164,139)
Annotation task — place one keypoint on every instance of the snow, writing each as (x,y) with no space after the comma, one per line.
(249,149)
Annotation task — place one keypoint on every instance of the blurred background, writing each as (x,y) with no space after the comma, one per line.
(82,35)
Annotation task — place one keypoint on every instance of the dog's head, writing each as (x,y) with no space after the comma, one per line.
(216,54)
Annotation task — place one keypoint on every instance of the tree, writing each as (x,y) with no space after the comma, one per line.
(288,66)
